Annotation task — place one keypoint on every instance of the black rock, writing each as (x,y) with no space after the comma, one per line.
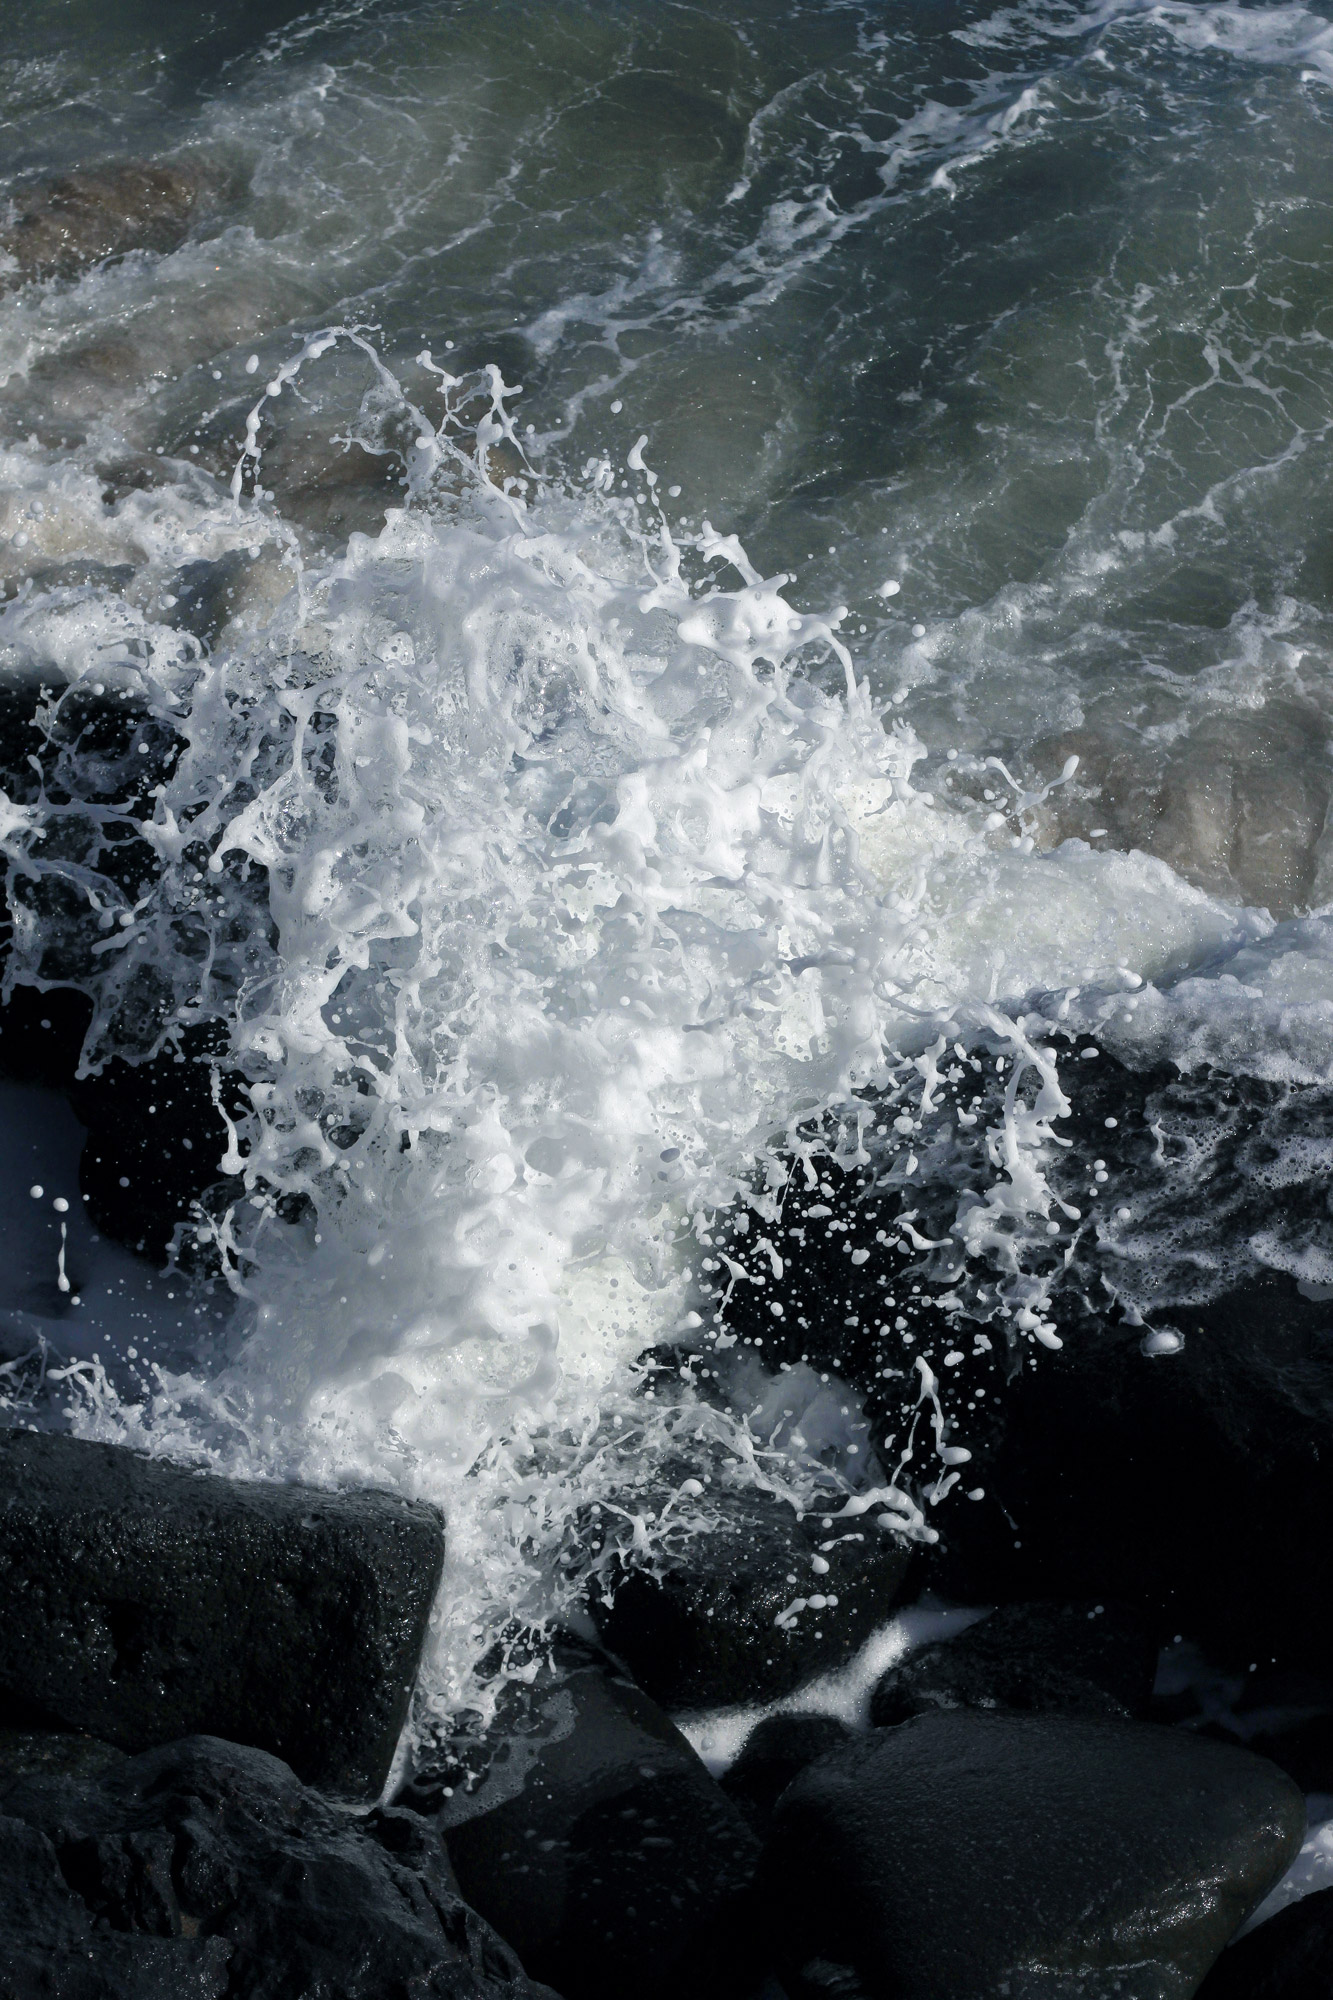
(775,1751)
(969,1854)
(1108,1472)
(585,1828)
(1288,1957)
(49,1946)
(755,1605)
(92,755)
(141,1602)
(1066,1659)
(54,1753)
(1103,1470)
(155,1141)
(204,1871)
(1304,1750)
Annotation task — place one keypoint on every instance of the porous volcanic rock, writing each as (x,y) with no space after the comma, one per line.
(976,1854)
(753,1606)
(1068,1659)
(141,1601)
(584,1827)
(205,1871)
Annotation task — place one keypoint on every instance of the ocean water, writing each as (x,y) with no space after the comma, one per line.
(767,578)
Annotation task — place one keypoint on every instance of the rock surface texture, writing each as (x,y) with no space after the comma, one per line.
(755,1605)
(592,1837)
(1064,1659)
(961,1856)
(144,1602)
(204,1871)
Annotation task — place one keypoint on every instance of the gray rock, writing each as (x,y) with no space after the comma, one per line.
(141,1602)
(1066,1659)
(732,1617)
(584,1827)
(205,1871)
(961,1856)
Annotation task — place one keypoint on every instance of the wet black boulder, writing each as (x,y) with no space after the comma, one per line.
(755,1604)
(963,1854)
(776,1751)
(1288,1957)
(205,1871)
(583,1827)
(1066,1659)
(142,1602)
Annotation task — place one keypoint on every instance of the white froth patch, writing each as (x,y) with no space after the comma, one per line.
(719,1734)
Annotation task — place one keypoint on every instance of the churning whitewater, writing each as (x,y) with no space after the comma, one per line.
(593,808)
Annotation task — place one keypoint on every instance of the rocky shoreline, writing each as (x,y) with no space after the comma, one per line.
(204,1682)
(177,1647)
(194,1667)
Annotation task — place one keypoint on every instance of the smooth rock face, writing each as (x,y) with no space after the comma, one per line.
(142,1602)
(776,1751)
(1289,1956)
(961,1856)
(202,1870)
(1067,1659)
(592,1837)
(722,1624)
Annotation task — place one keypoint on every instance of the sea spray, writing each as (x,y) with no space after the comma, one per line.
(556,884)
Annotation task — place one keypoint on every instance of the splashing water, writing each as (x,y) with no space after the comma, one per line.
(547,869)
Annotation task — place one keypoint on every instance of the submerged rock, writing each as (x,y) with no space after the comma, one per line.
(80,218)
(970,1854)
(206,1871)
(776,1751)
(1288,1957)
(584,1827)
(1067,1659)
(143,1602)
(754,1606)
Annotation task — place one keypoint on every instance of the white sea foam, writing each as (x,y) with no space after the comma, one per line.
(584,892)
(594,867)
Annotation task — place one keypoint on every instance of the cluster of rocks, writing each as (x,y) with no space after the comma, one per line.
(203,1683)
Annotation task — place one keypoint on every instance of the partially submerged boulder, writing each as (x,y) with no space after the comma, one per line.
(205,1871)
(71,220)
(1064,1659)
(755,1604)
(584,1827)
(1025,1855)
(144,1602)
